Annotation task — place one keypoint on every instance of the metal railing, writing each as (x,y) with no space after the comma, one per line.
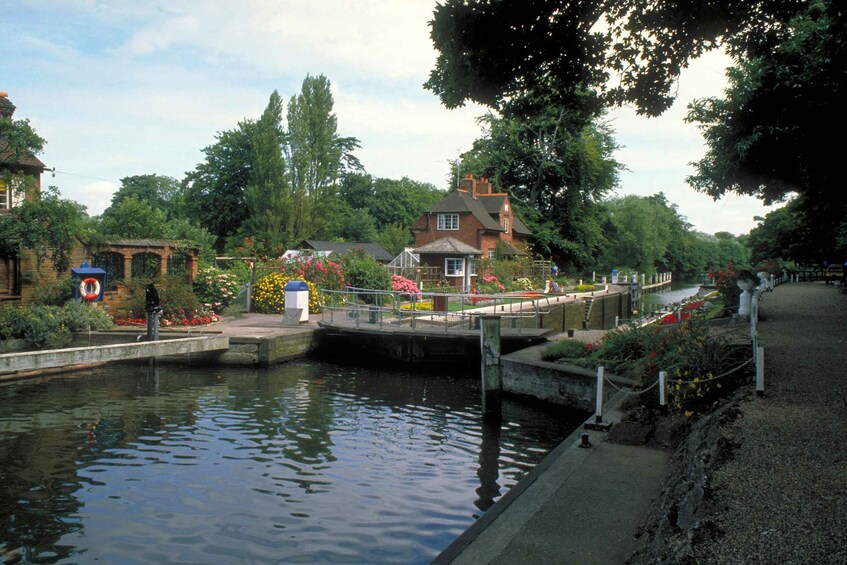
(428,311)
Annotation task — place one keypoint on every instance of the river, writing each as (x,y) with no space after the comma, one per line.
(305,462)
(676,292)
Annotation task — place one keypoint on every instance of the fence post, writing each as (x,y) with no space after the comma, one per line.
(598,423)
(663,376)
(760,371)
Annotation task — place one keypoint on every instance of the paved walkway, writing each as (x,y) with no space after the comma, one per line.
(783,496)
(784,493)
(581,506)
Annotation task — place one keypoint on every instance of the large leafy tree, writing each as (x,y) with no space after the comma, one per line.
(214,191)
(770,135)
(267,195)
(556,163)
(490,52)
(317,156)
(46,224)
(159,191)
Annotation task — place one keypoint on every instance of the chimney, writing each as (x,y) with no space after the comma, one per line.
(483,187)
(468,183)
(6,106)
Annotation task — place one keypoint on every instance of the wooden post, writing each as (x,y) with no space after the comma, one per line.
(492,380)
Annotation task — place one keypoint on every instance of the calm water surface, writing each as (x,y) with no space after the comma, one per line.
(306,462)
(677,291)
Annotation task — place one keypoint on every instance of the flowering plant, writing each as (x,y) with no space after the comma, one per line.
(215,288)
(489,284)
(269,294)
(524,284)
(404,285)
(322,273)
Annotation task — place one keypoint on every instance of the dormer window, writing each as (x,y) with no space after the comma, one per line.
(448,222)
(506,225)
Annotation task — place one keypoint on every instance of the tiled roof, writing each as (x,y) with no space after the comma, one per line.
(459,201)
(25,160)
(372,249)
(519,227)
(448,246)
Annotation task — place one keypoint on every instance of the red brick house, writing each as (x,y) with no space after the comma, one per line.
(476,216)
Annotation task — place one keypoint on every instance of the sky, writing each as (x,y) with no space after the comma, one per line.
(121,88)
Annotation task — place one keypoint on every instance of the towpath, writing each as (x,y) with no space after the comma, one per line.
(784,494)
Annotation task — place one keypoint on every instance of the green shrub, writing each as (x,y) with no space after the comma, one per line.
(570,349)
(362,271)
(693,358)
(583,288)
(176,298)
(50,327)
(55,294)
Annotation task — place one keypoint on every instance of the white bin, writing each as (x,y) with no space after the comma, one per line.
(296,298)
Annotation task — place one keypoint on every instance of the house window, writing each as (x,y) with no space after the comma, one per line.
(472,267)
(454,267)
(5,196)
(491,253)
(448,222)
(506,225)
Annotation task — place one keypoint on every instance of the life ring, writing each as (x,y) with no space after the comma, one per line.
(83,288)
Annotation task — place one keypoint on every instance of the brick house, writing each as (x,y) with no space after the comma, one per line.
(14,170)
(20,276)
(477,217)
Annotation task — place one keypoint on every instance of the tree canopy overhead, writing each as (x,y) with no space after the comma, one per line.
(630,51)
(772,132)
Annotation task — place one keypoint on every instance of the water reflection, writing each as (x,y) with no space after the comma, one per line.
(307,461)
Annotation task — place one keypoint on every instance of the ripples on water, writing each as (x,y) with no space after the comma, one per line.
(305,462)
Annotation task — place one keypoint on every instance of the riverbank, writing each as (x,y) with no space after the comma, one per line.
(764,480)
(758,480)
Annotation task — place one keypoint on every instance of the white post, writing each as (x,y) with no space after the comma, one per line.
(617,321)
(663,375)
(760,371)
(593,276)
(598,416)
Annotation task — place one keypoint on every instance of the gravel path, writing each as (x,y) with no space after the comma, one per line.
(782,498)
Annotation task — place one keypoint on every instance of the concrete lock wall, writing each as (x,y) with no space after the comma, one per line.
(569,315)
(552,382)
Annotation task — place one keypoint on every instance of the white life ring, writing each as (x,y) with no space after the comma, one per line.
(84,286)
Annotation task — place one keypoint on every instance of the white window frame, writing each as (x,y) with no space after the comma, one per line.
(458,271)
(506,224)
(472,267)
(448,222)
(491,253)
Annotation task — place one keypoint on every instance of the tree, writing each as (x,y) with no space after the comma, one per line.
(316,155)
(267,195)
(214,191)
(394,238)
(160,192)
(19,144)
(133,218)
(46,224)
(556,163)
(768,135)
(490,52)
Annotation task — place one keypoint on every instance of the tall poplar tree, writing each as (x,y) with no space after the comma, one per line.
(317,156)
(267,195)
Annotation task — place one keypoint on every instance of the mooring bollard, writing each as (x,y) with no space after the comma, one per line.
(663,377)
